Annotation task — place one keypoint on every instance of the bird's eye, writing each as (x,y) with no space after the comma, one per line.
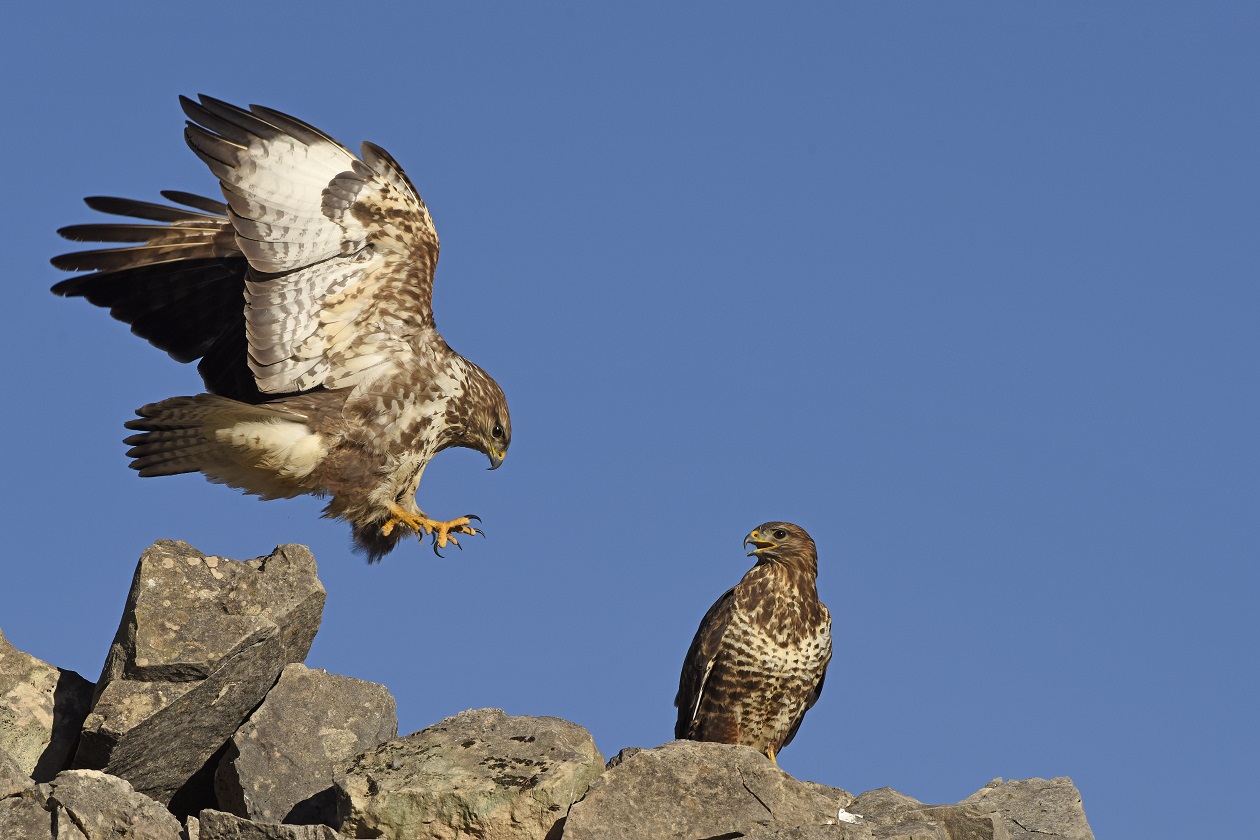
(779,533)
(497,432)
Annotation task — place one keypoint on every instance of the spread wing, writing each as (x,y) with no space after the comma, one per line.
(341,250)
(698,665)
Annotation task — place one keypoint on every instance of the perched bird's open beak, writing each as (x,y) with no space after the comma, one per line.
(759,543)
(496,458)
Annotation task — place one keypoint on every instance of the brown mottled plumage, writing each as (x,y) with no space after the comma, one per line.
(758,660)
(308,299)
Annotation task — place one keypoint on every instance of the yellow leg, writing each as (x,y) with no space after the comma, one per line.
(770,755)
(418,522)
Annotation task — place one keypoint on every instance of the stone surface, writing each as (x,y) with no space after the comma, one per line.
(890,815)
(281,764)
(41,712)
(25,815)
(1041,808)
(841,831)
(92,805)
(13,778)
(479,774)
(218,825)
(692,789)
(201,641)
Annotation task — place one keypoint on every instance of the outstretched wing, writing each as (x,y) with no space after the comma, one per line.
(698,665)
(341,250)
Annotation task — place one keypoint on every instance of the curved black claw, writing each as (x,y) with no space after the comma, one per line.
(435,551)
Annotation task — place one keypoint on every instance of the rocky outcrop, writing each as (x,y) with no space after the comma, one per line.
(82,805)
(691,789)
(41,712)
(217,825)
(890,815)
(205,714)
(280,766)
(25,814)
(96,806)
(478,774)
(201,641)
(1035,807)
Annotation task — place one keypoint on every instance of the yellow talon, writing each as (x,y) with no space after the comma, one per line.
(418,522)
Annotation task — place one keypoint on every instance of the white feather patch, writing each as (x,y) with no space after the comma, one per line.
(286,447)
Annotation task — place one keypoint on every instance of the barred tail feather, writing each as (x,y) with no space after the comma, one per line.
(265,451)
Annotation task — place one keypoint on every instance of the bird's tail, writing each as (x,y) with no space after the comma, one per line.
(372,543)
(260,449)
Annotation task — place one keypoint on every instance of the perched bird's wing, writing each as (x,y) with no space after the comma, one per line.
(698,665)
(341,250)
(816,691)
(810,700)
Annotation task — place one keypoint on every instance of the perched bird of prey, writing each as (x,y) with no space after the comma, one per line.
(308,298)
(758,660)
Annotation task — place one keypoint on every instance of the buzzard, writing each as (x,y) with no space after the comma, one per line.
(758,660)
(307,296)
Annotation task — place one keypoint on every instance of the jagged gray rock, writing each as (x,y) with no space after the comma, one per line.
(480,773)
(13,778)
(92,805)
(890,815)
(25,815)
(218,825)
(280,766)
(841,831)
(1045,808)
(23,807)
(692,789)
(41,712)
(201,641)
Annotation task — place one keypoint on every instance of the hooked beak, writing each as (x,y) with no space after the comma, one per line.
(759,543)
(496,458)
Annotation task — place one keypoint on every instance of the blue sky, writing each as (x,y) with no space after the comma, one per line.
(969,291)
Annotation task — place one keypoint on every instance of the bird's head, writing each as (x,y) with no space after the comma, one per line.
(783,542)
(485,424)
(496,435)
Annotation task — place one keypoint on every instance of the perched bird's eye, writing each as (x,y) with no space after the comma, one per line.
(779,533)
(497,432)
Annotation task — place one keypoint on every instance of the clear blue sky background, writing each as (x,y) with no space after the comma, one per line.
(967,290)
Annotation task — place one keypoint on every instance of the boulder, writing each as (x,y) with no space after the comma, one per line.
(201,641)
(692,789)
(41,712)
(280,766)
(23,806)
(25,815)
(218,825)
(890,815)
(90,805)
(480,773)
(841,831)
(1042,808)
(13,778)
